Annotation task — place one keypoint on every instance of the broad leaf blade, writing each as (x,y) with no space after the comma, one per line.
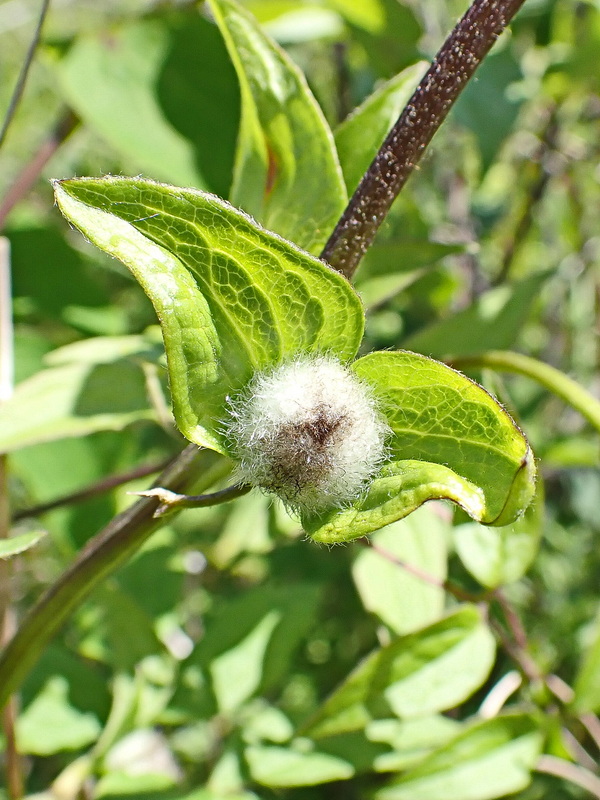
(50,724)
(286,767)
(286,173)
(491,759)
(231,297)
(416,675)
(441,416)
(123,68)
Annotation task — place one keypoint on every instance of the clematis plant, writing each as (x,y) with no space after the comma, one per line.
(261,341)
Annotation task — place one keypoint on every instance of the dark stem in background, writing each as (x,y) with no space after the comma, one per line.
(454,65)
(92,490)
(31,172)
(22,79)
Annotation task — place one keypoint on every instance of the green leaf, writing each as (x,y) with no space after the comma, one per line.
(387,30)
(492,322)
(73,400)
(491,759)
(487,107)
(587,682)
(440,416)
(281,767)
(148,106)
(50,724)
(19,544)
(286,173)
(119,785)
(231,297)
(237,673)
(402,600)
(497,556)
(411,740)
(398,490)
(249,643)
(106,349)
(458,444)
(360,135)
(416,675)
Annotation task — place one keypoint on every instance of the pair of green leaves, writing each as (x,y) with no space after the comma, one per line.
(234,299)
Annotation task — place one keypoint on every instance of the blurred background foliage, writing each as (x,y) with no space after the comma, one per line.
(187,674)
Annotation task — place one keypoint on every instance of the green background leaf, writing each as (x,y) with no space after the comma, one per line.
(416,675)
(402,600)
(49,724)
(286,174)
(491,759)
(360,135)
(497,556)
(142,79)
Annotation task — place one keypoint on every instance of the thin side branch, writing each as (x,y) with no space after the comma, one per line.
(93,490)
(22,79)
(454,65)
(169,501)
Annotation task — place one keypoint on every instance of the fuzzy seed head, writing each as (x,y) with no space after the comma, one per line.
(309,431)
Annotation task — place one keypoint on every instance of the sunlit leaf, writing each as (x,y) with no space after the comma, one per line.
(50,724)
(73,400)
(401,599)
(455,441)
(416,675)
(286,173)
(148,102)
(281,767)
(497,556)
(491,759)
(231,297)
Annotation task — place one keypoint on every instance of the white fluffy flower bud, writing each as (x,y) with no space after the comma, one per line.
(309,431)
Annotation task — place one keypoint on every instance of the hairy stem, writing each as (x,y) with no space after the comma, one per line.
(108,550)
(454,65)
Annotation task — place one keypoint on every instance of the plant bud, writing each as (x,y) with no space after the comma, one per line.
(309,431)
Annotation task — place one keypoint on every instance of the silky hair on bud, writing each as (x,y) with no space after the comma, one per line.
(309,431)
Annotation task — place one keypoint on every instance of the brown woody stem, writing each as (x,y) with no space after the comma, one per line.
(454,65)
